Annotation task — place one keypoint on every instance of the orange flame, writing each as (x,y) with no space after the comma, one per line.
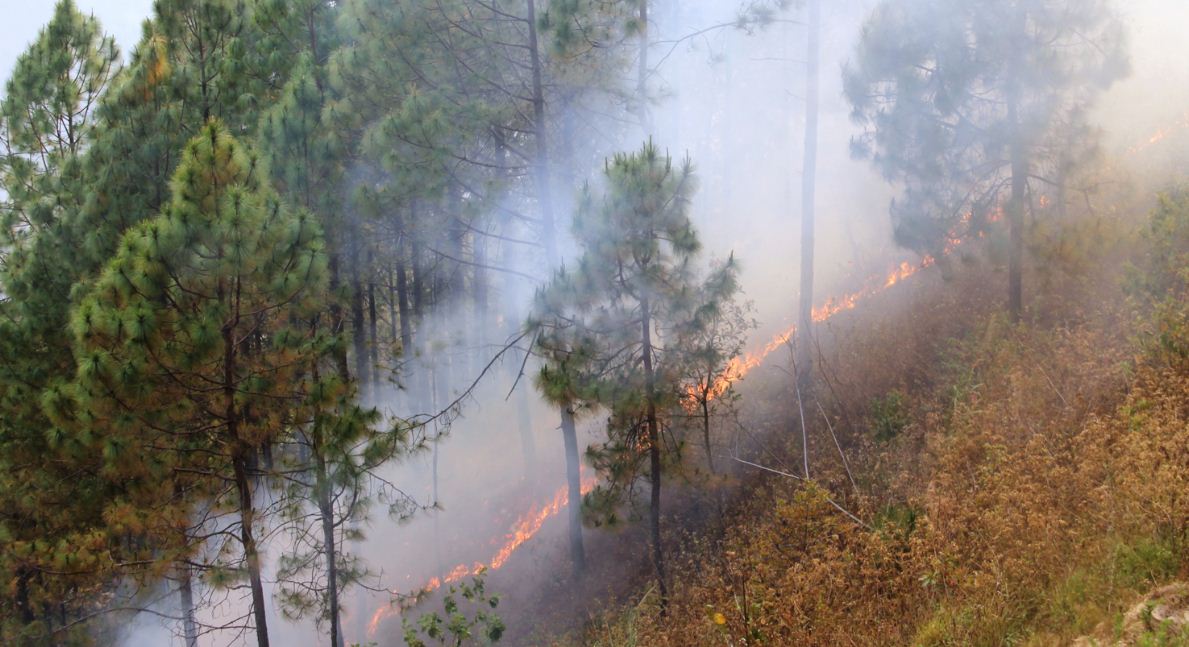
(1160,135)
(738,367)
(525,528)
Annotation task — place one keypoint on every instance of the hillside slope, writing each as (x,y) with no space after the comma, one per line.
(1010,484)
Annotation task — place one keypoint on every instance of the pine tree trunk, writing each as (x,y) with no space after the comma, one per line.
(373,329)
(808,201)
(358,326)
(336,316)
(642,72)
(186,590)
(22,596)
(542,174)
(406,314)
(242,455)
(482,322)
(326,512)
(393,335)
(1019,177)
(705,402)
(247,537)
(574,483)
(654,455)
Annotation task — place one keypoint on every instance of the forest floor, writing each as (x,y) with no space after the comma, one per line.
(1003,483)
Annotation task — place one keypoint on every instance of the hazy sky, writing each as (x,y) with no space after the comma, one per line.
(20,20)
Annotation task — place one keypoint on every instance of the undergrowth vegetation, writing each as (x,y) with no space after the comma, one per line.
(1013,484)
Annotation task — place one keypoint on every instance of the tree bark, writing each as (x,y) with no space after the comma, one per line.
(1019,178)
(242,455)
(642,72)
(482,323)
(705,402)
(326,512)
(336,314)
(358,331)
(186,591)
(574,484)
(654,454)
(541,176)
(373,328)
(1015,267)
(406,314)
(808,200)
(248,538)
(393,335)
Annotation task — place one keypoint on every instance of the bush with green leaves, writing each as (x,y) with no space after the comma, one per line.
(468,618)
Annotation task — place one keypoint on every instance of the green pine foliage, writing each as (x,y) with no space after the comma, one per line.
(51,508)
(193,352)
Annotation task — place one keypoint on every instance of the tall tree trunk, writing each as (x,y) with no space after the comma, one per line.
(437,444)
(186,586)
(482,322)
(542,174)
(406,311)
(242,457)
(808,201)
(1015,266)
(574,482)
(326,512)
(1019,179)
(705,403)
(247,537)
(22,594)
(654,455)
(373,330)
(186,591)
(336,314)
(358,325)
(642,72)
(393,335)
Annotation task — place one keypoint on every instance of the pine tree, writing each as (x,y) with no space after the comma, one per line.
(962,100)
(634,289)
(191,350)
(52,537)
(192,63)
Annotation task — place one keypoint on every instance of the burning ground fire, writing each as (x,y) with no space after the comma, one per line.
(740,366)
(528,525)
(525,528)
(1160,135)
